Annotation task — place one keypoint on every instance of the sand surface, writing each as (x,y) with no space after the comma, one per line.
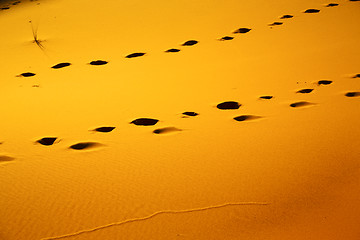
(179,120)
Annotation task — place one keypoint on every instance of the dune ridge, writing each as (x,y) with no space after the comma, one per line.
(291,105)
(154,215)
(241,30)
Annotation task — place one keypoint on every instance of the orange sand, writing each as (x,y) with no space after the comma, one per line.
(277,172)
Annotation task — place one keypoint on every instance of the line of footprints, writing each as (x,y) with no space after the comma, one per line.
(228,105)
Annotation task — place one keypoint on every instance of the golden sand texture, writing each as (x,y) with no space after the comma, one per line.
(176,119)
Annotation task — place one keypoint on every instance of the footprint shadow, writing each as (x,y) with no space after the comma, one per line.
(229,105)
(166,130)
(301,104)
(243,118)
(85,145)
(5,159)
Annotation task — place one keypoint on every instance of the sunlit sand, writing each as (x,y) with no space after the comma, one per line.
(179,120)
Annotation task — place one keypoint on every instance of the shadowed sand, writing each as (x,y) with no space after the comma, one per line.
(172,50)
(47,141)
(191,114)
(26,74)
(85,145)
(104,129)
(286,16)
(267,97)
(306,90)
(352,94)
(144,121)
(242,30)
(312,10)
(276,24)
(137,54)
(226,38)
(300,104)
(98,62)
(190,43)
(61,65)
(246,118)
(4,158)
(166,130)
(332,5)
(324,82)
(228,105)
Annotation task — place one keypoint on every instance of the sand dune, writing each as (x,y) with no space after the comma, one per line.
(224,174)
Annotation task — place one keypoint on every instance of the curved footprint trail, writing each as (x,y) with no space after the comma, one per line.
(242,30)
(226,105)
(154,215)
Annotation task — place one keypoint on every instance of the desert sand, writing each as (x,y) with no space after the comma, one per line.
(179,120)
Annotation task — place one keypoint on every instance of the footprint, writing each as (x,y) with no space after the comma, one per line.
(98,62)
(276,24)
(144,121)
(312,10)
(228,105)
(242,30)
(191,114)
(26,74)
(61,65)
(354,0)
(266,97)
(4,158)
(190,43)
(104,129)
(352,94)
(300,104)
(84,145)
(5,8)
(133,55)
(324,82)
(332,5)
(246,118)
(226,38)
(172,50)
(16,3)
(286,16)
(357,76)
(47,141)
(306,90)
(166,130)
